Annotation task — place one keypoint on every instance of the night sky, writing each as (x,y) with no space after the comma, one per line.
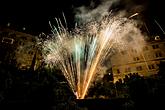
(35,16)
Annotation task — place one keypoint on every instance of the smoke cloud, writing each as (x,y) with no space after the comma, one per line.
(86,14)
(95,12)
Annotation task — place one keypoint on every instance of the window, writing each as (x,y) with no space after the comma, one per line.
(158,54)
(13,35)
(21,43)
(128,69)
(24,38)
(118,71)
(151,67)
(136,59)
(7,40)
(155,46)
(145,48)
(5,34)
(30,52)
(139,68)
(157,38)
(123,52)
(17,50)
(134,50)
(129,39)
(33,40)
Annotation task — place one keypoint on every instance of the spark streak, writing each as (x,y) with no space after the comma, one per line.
(80,55)
(134,15)
(159,26)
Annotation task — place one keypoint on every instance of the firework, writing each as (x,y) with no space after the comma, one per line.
(80,53)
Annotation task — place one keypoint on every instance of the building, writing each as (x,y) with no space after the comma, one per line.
(144,62)
(18,47)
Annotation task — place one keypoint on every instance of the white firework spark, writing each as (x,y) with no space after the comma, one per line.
(79,55)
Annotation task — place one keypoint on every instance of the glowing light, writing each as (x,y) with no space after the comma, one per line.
(23,28)
(80,54)
(8,24)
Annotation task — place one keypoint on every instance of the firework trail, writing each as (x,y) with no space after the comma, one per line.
(159,26)
(80,53)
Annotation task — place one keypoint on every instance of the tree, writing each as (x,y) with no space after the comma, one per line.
(162,69)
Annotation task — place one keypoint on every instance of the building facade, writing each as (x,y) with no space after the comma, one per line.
(144,62)
(18,47)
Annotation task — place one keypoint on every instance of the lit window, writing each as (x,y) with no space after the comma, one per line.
(155,46)
(139,68)
(157,38)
